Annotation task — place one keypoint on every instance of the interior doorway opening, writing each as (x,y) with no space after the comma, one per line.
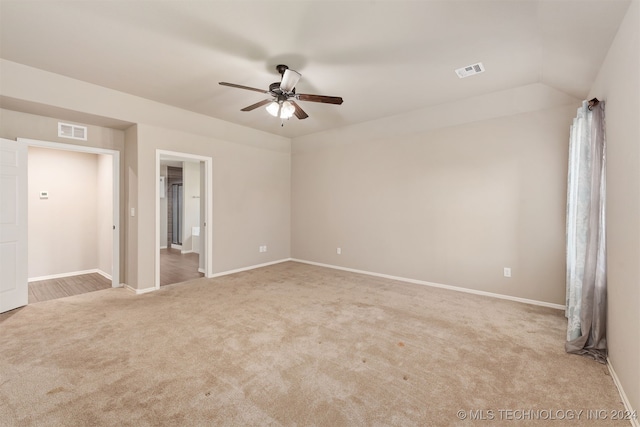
(183,211)
(73,225)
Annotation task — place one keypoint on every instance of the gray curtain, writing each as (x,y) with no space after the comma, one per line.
(586,308)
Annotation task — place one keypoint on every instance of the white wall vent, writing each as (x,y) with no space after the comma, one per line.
(470,70)
(65,130)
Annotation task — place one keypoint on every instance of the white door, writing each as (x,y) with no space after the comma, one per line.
(14,291)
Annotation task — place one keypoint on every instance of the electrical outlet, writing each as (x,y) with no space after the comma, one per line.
(339,251)
(264,248)
(507,272)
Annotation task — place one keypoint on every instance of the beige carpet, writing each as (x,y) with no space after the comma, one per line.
(293,344)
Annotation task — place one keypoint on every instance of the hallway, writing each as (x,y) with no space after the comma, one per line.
(176,267)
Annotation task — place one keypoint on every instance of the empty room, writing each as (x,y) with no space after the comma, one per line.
(387,212)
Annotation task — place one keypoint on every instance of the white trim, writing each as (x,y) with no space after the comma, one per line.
(173,246)
(186,252)
(251,267)
(104,274)
(163,247)
(625,400)
(139,291)
(437,285)
(115,263)
(69,147)
(224,273)
(69,274)
(200,270)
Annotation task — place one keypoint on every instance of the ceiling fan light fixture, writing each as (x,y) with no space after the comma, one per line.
(278,105)
(286,109)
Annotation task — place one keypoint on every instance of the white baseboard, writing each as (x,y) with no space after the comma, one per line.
(69,274)
(224,273)
(163,247)
(369,273)
(436,285)
(139,291)
(201,270)
(103,274)
(251,267)
(176,246)
(186,252)
(635,422)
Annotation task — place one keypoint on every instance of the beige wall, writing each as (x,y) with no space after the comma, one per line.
(452,206)
(618,83)
(130,195)
(15,124)
(191,193)
(64,229)
(251,199)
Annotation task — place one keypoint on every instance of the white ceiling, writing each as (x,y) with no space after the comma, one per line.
(383,57)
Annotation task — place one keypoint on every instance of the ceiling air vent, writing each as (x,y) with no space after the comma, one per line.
(470,70)
(65,130)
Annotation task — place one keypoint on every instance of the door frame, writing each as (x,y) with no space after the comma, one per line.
(115,155)
(207,230)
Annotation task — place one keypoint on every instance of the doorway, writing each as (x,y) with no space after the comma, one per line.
(183,215)
(104,226)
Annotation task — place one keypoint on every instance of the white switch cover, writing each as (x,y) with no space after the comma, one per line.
(507,272)
(339,251)
(44,194)
(133,211)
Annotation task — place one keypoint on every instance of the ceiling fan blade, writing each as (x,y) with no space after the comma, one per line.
(257,105)
(243,87)
(319,98)
(289,80)
(299,112)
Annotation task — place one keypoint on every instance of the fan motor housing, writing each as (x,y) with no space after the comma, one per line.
(274,89)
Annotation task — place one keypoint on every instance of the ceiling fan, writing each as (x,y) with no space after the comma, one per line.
(283,95)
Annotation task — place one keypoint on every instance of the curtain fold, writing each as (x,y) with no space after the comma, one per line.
(586,284)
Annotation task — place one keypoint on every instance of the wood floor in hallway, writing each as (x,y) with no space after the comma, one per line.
(45,290)
(175,267)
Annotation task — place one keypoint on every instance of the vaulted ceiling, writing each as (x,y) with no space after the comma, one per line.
(383,57)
